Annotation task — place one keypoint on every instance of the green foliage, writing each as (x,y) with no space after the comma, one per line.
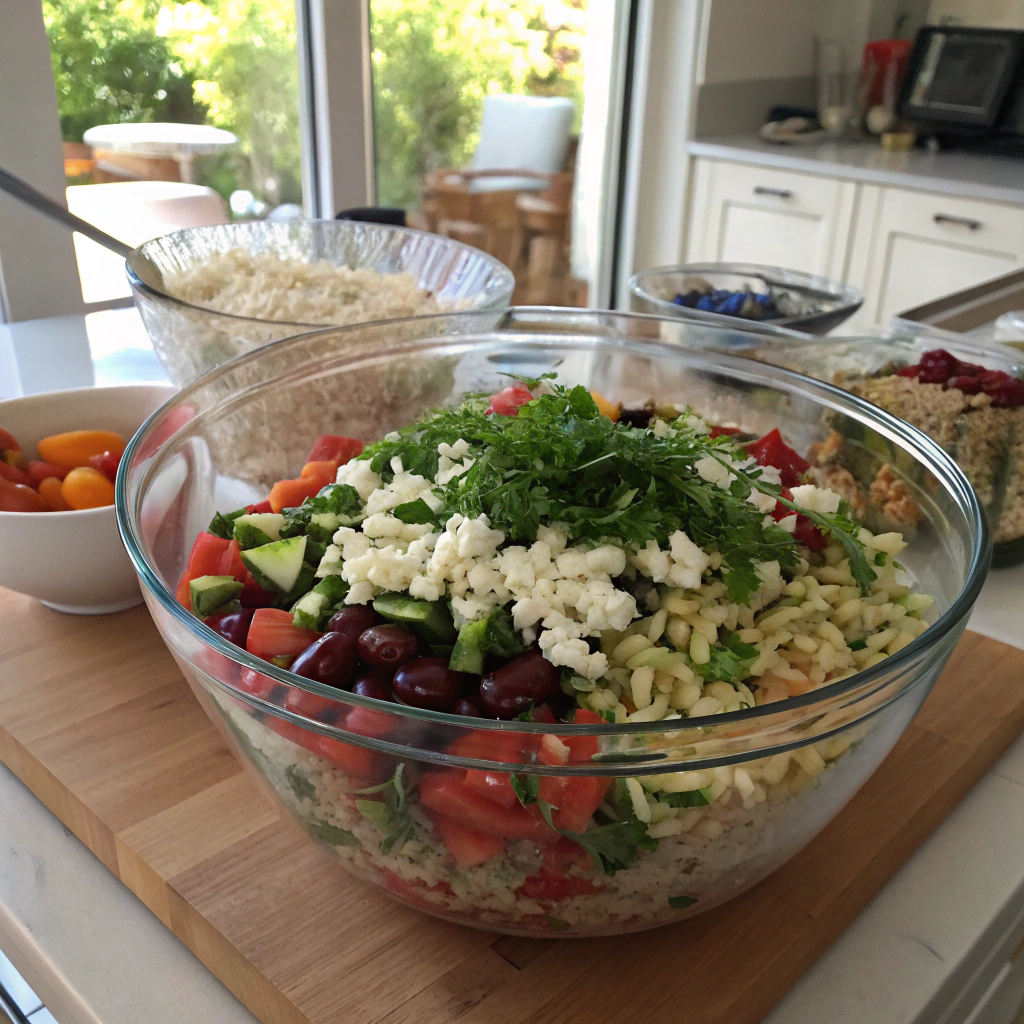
(110,65)
(435,60)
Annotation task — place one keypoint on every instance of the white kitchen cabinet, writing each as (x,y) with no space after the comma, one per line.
(747,214)
(911,246)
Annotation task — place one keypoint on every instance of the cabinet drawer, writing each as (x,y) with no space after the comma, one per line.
(962,223)
(748,214)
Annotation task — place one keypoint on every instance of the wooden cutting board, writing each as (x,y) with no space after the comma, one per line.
(96,719)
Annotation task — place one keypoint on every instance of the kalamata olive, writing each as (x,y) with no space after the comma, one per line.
(639,418)
(353,619)
(428,683)
(527,680)
(233,626)
(332,660)
(374,683)
(468,706)
(388,646)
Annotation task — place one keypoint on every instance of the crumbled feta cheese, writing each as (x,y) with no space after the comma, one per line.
(697,424)
(661,429)
(710,469)
(762,502)
(358,474)
(816,499)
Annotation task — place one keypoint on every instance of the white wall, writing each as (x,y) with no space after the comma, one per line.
(38,274)
(982,13)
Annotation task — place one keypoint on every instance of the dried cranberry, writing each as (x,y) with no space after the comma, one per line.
(937,366)
(909,371)
(970,370)
(1008,393)
(968,385)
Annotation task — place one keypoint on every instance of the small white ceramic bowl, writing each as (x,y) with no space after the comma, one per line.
(73,561)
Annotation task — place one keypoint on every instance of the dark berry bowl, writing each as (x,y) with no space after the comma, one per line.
(448,810)
(770,300)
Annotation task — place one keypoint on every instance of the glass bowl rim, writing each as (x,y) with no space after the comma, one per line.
(851,298)
(138,253)
(941,464)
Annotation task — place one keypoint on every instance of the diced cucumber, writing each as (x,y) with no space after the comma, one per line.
(431,619)
(271,523)
(470,647)
(210,593)
(310,611)
(302,585)
(276,566)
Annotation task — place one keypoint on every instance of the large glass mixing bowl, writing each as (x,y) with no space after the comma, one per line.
(191,338)
(780,771)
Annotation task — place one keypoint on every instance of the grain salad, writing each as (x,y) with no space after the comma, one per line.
(545,556)
(268,286)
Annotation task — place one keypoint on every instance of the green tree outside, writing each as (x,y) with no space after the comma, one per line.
(232,63)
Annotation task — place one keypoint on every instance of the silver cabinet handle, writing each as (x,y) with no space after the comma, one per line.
(967,222)
(764,190)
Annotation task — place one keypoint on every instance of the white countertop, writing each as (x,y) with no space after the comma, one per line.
(952,172)
(925,950)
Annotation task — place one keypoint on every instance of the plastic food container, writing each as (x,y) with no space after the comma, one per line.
(191,339)
(985,439)
(354,770)
(778,299)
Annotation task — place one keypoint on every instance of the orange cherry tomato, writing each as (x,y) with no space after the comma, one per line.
(51,491)
(38,471)
(606,408)
(15,475)
(85,487)
(19,498)
(73,448)
(10,450)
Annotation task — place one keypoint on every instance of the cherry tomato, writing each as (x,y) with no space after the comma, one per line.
(552,888)
(74,447)
(467,847)
(38,471)
(273,635)
(10,450)
(51,491)
(15,475)
(85,487)
(19,498)
(106,463)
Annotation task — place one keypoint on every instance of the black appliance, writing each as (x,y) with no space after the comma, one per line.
(965,87)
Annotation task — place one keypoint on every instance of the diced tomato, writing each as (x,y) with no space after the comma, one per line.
(204,560)
(467,847)
(256,684)
(804,532)
(552,888)
(447,793)
(292,493)
(507,402)
(366,722)
(260,506)
(496,786)
(559,857)
(724,431)
(334,448)
(106,463)
(38,471)
(312,705)
(272,635)
(16,476)
(253,595)
(494,745)
(369,765)
(771,450)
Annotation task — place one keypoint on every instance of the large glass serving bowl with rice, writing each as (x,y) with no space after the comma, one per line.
(208,294)
(717,656)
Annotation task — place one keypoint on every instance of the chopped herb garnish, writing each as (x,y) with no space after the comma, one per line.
(301,786)
(390,815)
(857,645)
(320,516)
(730,660)
(332,834)
(880,557)
(692,798)
(223,524)
(614,847)
(526,787)
(557,924)
(681,902)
